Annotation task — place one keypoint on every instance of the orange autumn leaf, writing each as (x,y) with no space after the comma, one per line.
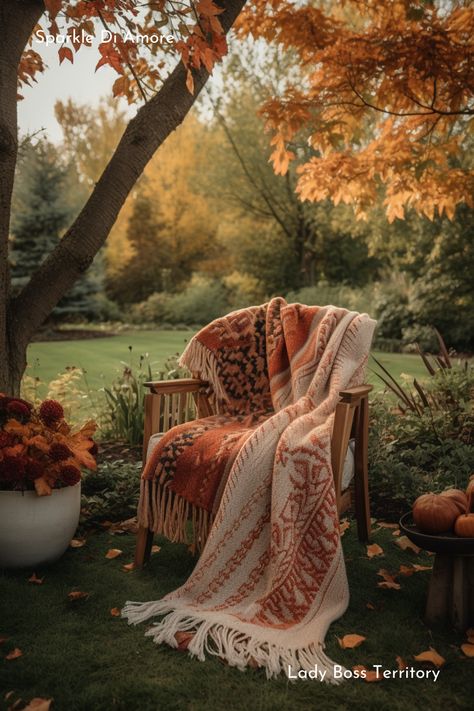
(350,641)
(34,579)
(14,654)
(183,639)
(406,570)
(115,612)
(77,595)
(42,487)
(372,675)
(113,553)
(431,656)
(343,526)
(77,543)
(405,544)
(38,704)
(467,649)
(155,549)
(383,524)
(388,582)
(128,567)
(374,550)
(401,663)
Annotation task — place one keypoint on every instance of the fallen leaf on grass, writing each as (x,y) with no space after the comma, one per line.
(128,567)
(183,639)
(467,649)
(128,526)
(401,663)
(383,524)
(406,570)
(405,544)
(38,704)
(350,641)
(389,581)
(77,595)
(374,550)
(155,549)
(373,675)
(115,612)
(113,553)
(417,568)
(14,654)
(343,526)
(77,543)
(431,656)
(34,579)
(396,533)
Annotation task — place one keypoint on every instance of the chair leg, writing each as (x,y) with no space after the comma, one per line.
(361,478)
(143,546)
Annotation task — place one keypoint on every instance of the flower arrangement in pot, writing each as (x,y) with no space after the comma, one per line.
(41,458)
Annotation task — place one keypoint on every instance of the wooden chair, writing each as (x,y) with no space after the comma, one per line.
(173,402)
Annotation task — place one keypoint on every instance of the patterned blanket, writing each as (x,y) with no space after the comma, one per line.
(271,577)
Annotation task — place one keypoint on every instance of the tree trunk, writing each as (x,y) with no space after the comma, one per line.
(17,20)
(75,252)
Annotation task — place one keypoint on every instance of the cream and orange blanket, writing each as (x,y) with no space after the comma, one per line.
(271,577)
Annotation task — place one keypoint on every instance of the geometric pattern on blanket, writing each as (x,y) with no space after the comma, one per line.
(271,577)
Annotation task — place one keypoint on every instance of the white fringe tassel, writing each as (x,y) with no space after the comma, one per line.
(199,359)
(237,648)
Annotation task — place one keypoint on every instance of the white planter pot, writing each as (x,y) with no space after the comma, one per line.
(35,530)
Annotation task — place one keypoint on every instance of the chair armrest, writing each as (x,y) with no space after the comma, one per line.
(354,395)
(169,387)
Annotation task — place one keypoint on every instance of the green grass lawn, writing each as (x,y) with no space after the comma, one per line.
(100,357)
(88,660)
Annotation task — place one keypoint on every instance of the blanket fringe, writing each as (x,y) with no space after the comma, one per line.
(167,513)
(199,359)
(236,647)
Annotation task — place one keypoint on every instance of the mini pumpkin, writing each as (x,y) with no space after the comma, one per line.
(464,525)
(434,513)
(459,498)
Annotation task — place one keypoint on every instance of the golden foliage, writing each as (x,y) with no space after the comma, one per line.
(386,104)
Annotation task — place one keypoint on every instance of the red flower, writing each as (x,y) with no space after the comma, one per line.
(70,475)
(51,411)
(6,440)
(12,469)
(33,469)
(59,452)
(19,409)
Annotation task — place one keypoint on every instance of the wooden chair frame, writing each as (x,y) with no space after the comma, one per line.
(173,402)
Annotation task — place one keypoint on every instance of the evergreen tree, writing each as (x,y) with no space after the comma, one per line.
(47,195)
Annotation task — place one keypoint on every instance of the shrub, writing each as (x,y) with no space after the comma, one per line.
(426,443)
(354,299)
(111,493)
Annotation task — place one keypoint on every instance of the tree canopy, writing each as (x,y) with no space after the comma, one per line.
(384,98)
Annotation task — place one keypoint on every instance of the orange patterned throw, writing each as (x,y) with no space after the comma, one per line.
(271,577)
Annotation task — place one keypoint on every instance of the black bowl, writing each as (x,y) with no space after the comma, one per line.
(441,543)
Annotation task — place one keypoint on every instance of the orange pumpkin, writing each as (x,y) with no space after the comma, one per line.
(464,525)
(459,498)
(470,492)
(434,513)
